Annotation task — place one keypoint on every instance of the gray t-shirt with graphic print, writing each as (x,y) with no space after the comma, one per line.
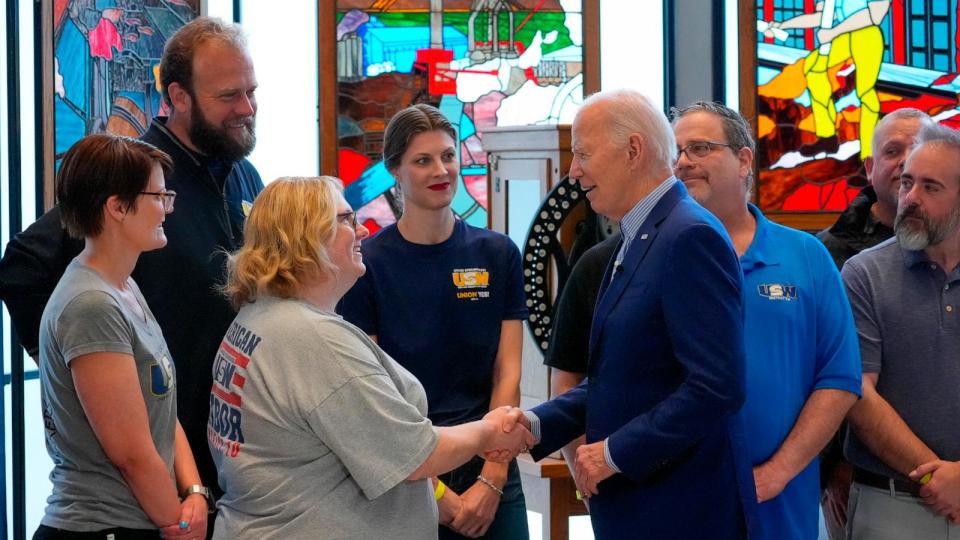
(314,431)
(86,315)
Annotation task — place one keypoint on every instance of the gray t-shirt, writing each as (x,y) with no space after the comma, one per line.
(86,315)
(314,431)
(907,311)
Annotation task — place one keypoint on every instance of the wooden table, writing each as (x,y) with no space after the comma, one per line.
(562,494)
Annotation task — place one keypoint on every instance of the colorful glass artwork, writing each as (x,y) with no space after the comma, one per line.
(827,70)
(483,63)
(107,64)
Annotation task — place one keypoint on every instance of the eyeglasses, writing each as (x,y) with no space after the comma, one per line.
(701,149)
(168,197)
(348,218)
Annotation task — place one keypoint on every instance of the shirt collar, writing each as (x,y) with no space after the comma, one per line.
(761,251)
(634,219)
(912,258)
(160,123)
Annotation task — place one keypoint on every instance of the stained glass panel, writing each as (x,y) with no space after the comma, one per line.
(483,63)
(819,101)
(107,64)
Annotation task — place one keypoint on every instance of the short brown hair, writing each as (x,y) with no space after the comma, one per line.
(407,123)
(176,65)
(98,167)
(735,126)
(286,236)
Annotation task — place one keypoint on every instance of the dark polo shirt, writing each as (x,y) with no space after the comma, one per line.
(907,311)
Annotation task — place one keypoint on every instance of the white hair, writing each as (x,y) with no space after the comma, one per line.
(630,112)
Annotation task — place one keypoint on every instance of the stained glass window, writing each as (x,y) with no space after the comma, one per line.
(483,63)
(107,64)
(818,103)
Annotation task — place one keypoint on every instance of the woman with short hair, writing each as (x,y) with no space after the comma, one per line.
(108,384)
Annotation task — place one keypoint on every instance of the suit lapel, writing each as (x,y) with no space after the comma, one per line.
(612,288)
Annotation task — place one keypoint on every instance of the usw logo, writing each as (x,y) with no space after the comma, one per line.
(777,291)
(470,278)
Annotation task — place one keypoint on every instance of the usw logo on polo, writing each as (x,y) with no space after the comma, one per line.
(778,291)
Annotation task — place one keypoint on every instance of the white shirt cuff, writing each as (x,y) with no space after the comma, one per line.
(534,424)
(606,456)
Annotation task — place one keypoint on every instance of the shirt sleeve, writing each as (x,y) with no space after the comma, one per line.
(838,353)
(379,436)
(865,317)
(91,323)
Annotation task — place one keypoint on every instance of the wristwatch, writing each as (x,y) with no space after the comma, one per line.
(203,490)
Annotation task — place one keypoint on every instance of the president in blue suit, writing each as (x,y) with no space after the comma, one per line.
(664,455)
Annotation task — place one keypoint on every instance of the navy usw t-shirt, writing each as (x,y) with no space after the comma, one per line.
(437,310)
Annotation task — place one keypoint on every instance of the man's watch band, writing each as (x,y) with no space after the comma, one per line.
(202,490)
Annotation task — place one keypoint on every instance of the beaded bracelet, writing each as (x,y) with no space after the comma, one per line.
(490,485)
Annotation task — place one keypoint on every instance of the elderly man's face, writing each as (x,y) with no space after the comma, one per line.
(929,207)
(891,143)
(718,178)
(224,106)
(602,165)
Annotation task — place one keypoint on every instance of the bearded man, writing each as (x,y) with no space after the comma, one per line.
(904,293)
(208,83)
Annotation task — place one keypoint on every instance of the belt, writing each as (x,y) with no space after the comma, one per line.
(893,485)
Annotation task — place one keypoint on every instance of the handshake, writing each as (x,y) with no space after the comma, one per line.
(508,434)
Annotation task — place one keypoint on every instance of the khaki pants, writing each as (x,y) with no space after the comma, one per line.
(876,515)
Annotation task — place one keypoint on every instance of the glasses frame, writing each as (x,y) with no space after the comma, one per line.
(352,215)
(168,197)
(712,145)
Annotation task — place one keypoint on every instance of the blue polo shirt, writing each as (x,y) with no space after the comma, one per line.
(799,337)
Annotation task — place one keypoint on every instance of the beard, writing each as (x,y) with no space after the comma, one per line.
(929,231)
(217,141)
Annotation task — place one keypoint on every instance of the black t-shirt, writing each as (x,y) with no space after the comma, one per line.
(570,338)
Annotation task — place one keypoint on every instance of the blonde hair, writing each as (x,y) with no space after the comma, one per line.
(285,239)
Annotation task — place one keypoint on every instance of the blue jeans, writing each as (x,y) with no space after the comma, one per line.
(510,523)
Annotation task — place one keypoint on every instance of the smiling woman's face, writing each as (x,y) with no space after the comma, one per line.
(428,171)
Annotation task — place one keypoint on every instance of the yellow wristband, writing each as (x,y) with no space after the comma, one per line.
(439,490)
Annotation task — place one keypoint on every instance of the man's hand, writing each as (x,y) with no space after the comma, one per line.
(769,481)
(508,417)
(510,435)
(591,468)
(942,491)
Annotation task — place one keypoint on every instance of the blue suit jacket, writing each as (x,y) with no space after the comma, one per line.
(666,376)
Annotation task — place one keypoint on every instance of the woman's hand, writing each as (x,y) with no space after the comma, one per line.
(449,506)
(193,514)
(478,510)
(480,501)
